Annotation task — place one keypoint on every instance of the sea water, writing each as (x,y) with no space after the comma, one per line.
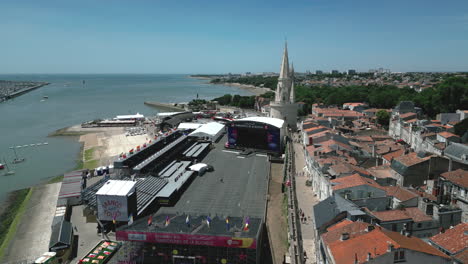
(29,118)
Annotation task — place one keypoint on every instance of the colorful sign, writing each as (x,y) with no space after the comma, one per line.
(187,239)
(112,208)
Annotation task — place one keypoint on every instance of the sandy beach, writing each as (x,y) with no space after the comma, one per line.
(246,87)
(251,88)
(107,142)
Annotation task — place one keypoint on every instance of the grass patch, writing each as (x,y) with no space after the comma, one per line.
(90,164)
(65,132)
(88,154)
(12,216)
(56,179)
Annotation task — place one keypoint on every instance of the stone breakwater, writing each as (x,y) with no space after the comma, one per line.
(12,89)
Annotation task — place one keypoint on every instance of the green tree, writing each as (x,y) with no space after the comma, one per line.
(224,100)
(461,127)
(383,118)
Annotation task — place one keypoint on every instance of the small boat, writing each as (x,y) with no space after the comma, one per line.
(2,166)
(18,160)
(45,143)
(8,171)
(45,97)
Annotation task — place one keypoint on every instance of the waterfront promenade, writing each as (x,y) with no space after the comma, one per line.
(34,229)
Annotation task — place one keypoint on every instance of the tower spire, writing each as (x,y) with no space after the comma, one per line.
(292,96)
(284,73)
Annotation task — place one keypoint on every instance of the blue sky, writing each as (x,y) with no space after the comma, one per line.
(197,36)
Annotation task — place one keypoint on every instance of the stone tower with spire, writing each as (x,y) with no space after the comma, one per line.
(284,107)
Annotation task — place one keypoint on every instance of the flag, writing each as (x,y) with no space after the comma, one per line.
(150,220)
(247,222)
(168,221)
(208,221)
(227,224)
(187,221)
(130,219)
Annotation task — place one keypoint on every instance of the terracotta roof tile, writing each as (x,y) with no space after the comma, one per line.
(340,224)
(459,177)
(400,193)
(462,256)
(376,243)
(411,159)
(381,172)
(446,134)
(352,181)
(413,243)
(406,115)
(354,229)
(393,155)
(453,240)
(408,213)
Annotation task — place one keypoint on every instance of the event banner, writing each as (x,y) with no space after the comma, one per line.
(187,239)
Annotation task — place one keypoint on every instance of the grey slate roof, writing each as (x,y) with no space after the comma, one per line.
(329,208)
(62,236)
(455,151)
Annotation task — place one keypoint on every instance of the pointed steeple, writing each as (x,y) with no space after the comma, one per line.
(292,96)
(284,73)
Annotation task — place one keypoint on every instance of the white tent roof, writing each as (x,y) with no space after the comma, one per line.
(164,114)
(189,125)
(120,188)
(211,129)
(267,120)
(197,167)
(137,116)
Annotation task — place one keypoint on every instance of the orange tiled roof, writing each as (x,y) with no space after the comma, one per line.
(453,240)
(459,177)
(408,213)
(382,171)
(411,120)
(394,154)
(407,115)
(376,243)
(446,134)
(462,256)
(352,181)
(345,222)
(411,159)
(354,229)
(400,193)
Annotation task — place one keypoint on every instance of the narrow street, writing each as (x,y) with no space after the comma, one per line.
(306,200)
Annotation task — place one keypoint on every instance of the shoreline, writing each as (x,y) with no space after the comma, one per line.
(164,106)
(256,90)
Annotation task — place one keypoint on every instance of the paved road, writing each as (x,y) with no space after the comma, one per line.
(306,200)
(87,233)
(33,233)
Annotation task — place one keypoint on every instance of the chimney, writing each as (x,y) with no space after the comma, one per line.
(344,236)
(370,228)
(368,256)
(390,248)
